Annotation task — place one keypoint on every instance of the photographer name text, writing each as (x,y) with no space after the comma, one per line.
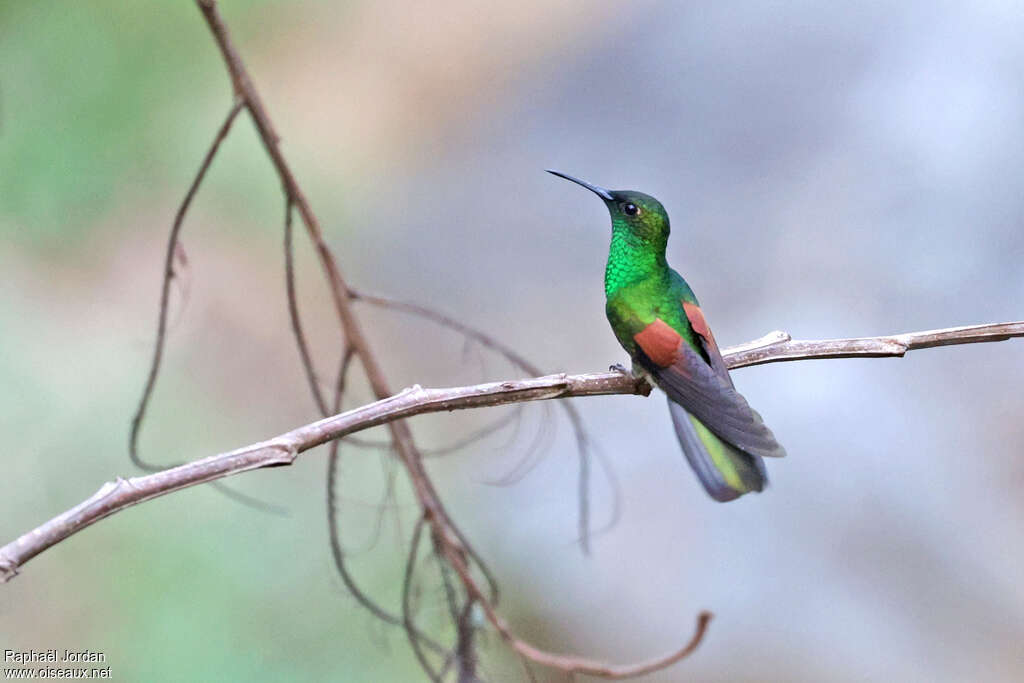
(54,655)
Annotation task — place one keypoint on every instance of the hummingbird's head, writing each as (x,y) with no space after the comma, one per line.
(641,215)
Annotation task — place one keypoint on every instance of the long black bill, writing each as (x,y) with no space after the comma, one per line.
(599,191)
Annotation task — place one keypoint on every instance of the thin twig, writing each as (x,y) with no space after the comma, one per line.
(407,583)
(580,665)
(458,444)
(520,362)
(451,599)
(334,534)
(174,250)
(165,288)
(466,650)
(293,313)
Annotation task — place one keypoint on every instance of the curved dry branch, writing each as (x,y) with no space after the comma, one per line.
(579,665)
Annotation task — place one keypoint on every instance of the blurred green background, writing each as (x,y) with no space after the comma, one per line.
(831,170)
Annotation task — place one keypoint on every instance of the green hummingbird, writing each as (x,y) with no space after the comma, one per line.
(658,321)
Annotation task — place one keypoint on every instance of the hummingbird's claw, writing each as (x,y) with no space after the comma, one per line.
(643,382)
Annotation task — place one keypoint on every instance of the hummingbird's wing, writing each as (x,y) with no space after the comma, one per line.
(725,472)
(703,387)
(707,340)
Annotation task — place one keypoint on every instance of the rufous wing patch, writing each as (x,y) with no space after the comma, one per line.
(698,323)
(660,342)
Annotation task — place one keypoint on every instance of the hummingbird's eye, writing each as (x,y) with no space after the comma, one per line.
(630,209)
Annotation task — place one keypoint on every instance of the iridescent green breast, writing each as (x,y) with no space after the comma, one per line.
(633,306)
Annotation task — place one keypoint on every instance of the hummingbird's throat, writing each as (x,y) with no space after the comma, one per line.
(630,260)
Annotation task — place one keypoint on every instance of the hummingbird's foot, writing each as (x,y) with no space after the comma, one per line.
(637,374)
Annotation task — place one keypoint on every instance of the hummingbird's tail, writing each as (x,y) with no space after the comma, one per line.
(725,471)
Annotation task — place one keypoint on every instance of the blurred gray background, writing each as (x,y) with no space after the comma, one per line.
(830,169)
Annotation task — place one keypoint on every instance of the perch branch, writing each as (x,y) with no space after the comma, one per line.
(776,347)
(282,450)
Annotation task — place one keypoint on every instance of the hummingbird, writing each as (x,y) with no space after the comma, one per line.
(658,321)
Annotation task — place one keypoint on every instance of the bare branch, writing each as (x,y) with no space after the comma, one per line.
(352,333)
(776,347)
(283,449)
